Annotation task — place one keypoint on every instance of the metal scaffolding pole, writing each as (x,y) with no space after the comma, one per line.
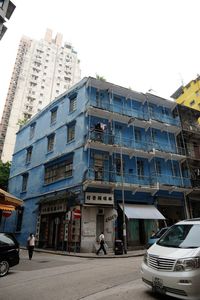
(123,206)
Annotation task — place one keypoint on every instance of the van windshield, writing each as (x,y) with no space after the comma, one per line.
(181,236)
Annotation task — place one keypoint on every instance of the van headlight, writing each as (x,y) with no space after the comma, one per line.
(187,264)
(145,258)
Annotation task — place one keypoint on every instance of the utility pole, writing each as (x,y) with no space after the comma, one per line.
(123,206)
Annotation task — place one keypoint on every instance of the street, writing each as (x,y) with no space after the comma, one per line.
(56,277)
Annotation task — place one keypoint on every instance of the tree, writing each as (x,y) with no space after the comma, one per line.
(4,174)
(100,77)
(22,122)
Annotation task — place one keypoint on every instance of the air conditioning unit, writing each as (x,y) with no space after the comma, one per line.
(100,211)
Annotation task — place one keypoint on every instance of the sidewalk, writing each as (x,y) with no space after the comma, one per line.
(132,253)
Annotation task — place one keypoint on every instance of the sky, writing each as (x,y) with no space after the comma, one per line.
(140,44)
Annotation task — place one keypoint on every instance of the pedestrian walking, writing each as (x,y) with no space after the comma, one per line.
(102,244)
(30,245)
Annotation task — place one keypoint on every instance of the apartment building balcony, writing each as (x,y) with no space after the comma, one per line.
(114,144)
(117,113)
(135,117)
(96,178)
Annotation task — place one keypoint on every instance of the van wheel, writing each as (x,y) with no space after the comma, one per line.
(4,268)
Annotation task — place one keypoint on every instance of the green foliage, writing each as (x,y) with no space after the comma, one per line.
(22,122)
(4,174)
(100,77)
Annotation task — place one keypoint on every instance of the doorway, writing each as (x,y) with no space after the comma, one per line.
(99,225)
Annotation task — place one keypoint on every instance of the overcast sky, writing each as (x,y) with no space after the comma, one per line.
(142,44)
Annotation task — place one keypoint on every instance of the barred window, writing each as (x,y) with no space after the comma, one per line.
(50,142)
(72,104)
(58,171)
(70,132)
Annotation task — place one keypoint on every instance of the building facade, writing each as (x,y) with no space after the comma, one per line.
(98,152)
(191,136)
(189,95)
(6,11)
(43,70)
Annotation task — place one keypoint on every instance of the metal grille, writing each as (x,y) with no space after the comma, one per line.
(160,263)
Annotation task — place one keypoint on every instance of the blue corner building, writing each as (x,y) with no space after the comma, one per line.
(99,158)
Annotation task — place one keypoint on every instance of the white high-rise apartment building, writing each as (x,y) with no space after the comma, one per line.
(43,70)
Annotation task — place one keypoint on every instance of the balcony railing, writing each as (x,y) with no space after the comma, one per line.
(164,118)
(150,181)
(116,140)
(138,113)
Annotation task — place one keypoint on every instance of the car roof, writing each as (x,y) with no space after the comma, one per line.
(190,221)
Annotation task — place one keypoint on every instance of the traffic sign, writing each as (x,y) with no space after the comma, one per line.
(77,214)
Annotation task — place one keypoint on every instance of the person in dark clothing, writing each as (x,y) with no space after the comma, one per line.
(102,244)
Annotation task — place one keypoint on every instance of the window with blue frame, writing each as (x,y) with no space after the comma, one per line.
(58,170)
(158,167)
(24,182)
(138,136)
(50,142)
(53,115)
(174,170)
(29,155)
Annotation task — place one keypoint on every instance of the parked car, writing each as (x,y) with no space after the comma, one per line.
(172,265)
(156,236)
(9,252)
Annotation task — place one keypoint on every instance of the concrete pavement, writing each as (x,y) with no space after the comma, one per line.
(131,253)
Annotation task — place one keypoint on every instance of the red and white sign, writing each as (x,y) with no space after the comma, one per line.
(6,213)
(77,214)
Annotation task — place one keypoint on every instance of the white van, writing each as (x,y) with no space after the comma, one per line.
(171,266)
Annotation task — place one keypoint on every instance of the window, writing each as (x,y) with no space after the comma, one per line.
(140,168)
(58,171)
(20,212)
(72,104)
(1,3)
(158,167)
(154,135)
(53,115)
(32,130)
(137,135)
(118,166)
(50,142)
(192,102)
(24,182)
(71,132)
(28,155)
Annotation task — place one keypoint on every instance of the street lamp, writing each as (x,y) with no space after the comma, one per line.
(123,206)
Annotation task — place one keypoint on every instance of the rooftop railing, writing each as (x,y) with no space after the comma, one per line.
(139,113)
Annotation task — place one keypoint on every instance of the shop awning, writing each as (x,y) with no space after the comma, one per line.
(8,199)
(7,207)
(139,211)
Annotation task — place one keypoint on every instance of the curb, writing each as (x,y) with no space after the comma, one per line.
(86,255)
